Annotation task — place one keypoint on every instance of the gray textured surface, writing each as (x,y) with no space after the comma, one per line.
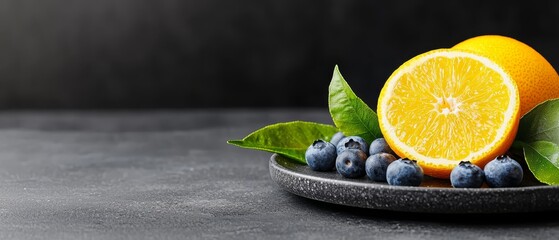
(170,175)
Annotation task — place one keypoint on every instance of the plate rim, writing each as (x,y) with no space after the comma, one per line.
(277,172)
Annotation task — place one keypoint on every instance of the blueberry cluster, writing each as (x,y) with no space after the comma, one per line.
(353,157)
(503,171)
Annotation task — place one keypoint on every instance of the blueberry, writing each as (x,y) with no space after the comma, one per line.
(503,171)
(351,163)
(404,172)
(352,142)
(336,138)
(376,165)
(321,156)
(379,145)
(467,175)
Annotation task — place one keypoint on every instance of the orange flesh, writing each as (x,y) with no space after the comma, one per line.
(446,110)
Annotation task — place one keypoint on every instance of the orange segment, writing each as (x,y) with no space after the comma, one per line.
(447,106)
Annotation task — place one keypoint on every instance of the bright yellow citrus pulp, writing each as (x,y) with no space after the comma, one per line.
(446,106)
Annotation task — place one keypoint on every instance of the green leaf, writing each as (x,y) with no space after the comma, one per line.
(542,159)
(290,139)
(538,135)
(541,123)
(349,113)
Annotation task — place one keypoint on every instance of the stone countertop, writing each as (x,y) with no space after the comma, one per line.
(169,174)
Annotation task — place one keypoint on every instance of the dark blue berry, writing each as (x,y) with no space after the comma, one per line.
(379,145)
(404,172)
(354,142)
(351,163)
(503,171)
(467,175)
(321,156)
(337,137)
(376,166)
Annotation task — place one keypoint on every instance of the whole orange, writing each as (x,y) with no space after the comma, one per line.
(535,77)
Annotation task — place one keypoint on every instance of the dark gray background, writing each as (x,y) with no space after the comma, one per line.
(247,53)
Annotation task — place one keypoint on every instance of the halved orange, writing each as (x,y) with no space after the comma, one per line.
(446,106)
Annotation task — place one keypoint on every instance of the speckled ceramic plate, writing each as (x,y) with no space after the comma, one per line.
(433,196)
